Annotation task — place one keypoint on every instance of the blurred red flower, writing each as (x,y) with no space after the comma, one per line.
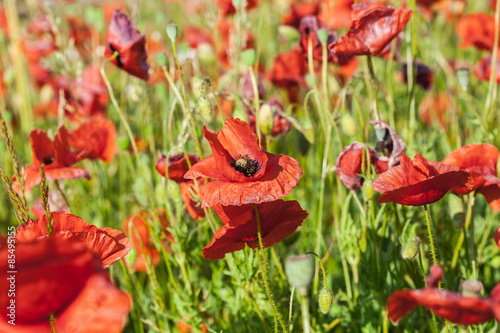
(477,30)
(418,182)
(298,11)
(244,174)
(56,156)
(61,278)
(137,227)
(349,164)
(278,219)
(483,68)
(109,245)
(226,7)
(95,139)
(373,27)
(90,94)
(433,108)
(480,160)
(281,126)
(177,167)
(288,72)
(336,13)
(195,36)
(124,38)
(454,307)
(82,34)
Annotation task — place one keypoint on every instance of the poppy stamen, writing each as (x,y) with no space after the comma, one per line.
(48,160)
(245,165)
(119,62)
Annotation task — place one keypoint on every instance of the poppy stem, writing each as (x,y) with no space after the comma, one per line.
(256,102)
(492,86)
(263,271)
(52,323)
(198,146)
(429,230)
(374,87)
(304,307)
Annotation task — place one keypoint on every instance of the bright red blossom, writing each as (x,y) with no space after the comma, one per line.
(418,182)
(244,174)
(454,307)
(278,219)
(109,245)
(476,30)
(96,139)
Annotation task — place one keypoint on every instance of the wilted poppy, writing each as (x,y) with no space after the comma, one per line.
(226,7)
(308,28)
(177,167)
(278,219)
(454,307)
(107,244)
(483,69)
(424,76)
(418,182)
(124,38)
(373,27)
(349,164)
(95,139)
(389,146)
(244,174)
(336,13)
(298,11)
(476,30)
(480,160)
(56,156)
(137,227)
(60,278)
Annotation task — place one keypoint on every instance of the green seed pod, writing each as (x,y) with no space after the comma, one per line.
(248,57)
(206,86)
(471,288)
(172,31)
(463,75)
(410,250)
(325,300)
(289,33)
(300,271)
(266,118)
(205,107)
(323,36)
(348,124)
(368,191)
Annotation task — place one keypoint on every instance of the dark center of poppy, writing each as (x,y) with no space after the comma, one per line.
(385,145)
(48,160)
(245,165)
(119,62)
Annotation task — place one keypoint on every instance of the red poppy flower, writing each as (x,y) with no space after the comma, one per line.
(424,75)
(278,219)
(433,108)
(56,156)
(194,37)
(226,7)
(107,244)
(418,182)
(226,105)
(349,164)
(477,30)
(483,69)
(336,13)
(298,11)
(39,26)
(82,34)
(288,72)
(373,27)
(177,167)
(454,307)
(3,22)
(308,28)
(480,160)
(90,94)
(244,174)
(124,38)
(137,227)
(96,139)
(60,278)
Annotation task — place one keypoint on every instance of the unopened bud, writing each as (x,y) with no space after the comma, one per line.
(325,300)
(349,126)
(463,75)
(323,36)
(300,271)
(205,107)
(266,118)
(368,191)
(248,57)
(289,33)
(161,59)
(172,31)
(471,288)
(206,86)
(410,250)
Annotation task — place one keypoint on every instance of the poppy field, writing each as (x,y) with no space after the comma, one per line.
(249,166)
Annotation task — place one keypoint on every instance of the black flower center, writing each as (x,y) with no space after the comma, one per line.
(48,160)
(385,146)
(119,62)
(245,165)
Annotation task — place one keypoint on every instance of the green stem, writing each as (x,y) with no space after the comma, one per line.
(304,306)
(256,102)
(374,87)
(492,86)
(463,236)
(431,239)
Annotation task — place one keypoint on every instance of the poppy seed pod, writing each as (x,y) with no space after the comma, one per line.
(410,250)
(248,57)
(172,31)
(471,287)
(161,59)
(300,271)
(323,36)
(205,107)
(349,126)
(463,76)
(368,191)
(325,300)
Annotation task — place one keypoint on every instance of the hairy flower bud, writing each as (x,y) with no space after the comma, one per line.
(325,300)
(410,250)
